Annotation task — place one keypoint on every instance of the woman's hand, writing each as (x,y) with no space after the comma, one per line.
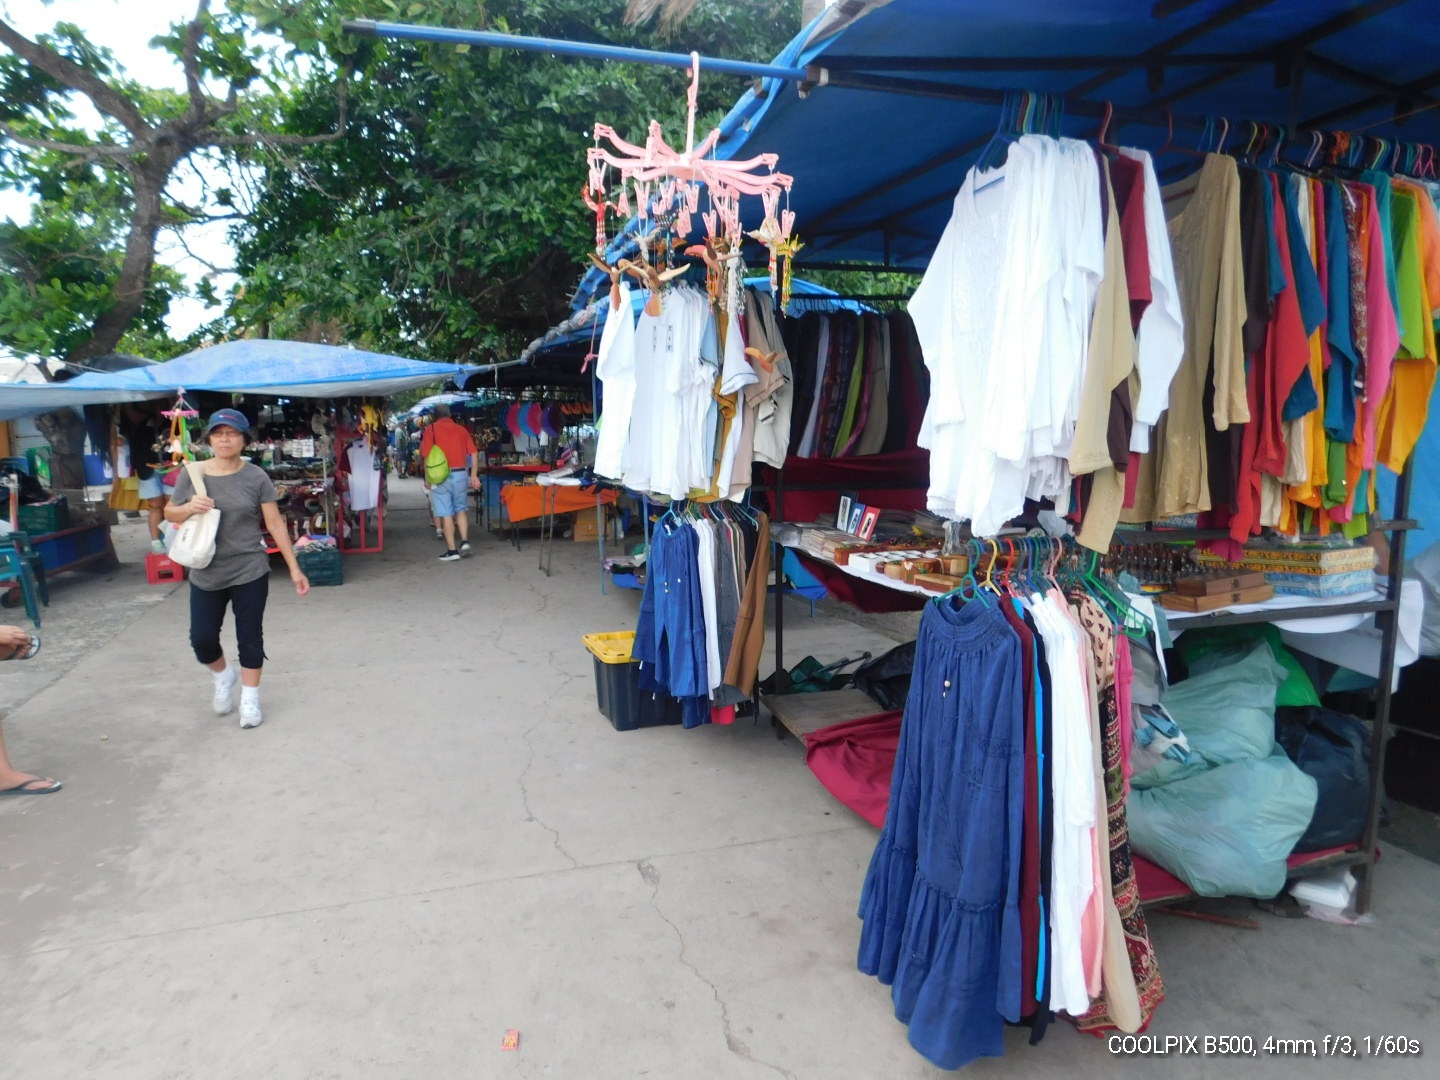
(12,637)
(201,504)
(302,583)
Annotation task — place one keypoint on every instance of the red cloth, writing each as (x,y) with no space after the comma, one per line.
(854,761)
(873,477)
(454,440)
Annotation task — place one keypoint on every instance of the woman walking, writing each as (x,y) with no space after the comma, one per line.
(239,575)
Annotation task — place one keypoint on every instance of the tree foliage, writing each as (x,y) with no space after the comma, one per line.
(449,222)
(81,273)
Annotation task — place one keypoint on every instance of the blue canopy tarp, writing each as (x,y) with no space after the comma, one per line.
(876,172)
(257,366)
(91,388)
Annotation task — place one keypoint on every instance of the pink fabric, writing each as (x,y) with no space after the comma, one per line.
(722,714)
(1383,339)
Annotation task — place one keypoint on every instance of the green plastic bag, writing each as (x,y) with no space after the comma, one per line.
(437,466)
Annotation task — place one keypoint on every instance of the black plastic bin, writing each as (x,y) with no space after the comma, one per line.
(617,690)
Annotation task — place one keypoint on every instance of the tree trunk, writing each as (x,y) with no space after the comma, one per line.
(64,429)
(134,279)
(66,432)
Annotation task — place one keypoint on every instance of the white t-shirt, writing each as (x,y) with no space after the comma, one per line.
(705,566)
(615,368)
(1072,878)
(1160,339)
(735,375)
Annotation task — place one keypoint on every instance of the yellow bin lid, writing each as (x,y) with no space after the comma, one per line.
(612,648)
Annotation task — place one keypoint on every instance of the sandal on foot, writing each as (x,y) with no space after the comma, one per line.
(23,652)
(51,786)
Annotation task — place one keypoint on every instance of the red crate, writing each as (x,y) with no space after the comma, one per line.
(161,569)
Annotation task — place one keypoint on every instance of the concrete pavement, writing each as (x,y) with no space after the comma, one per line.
(436,837)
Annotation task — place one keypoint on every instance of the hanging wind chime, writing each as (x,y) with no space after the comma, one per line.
(178,443)
(665,185)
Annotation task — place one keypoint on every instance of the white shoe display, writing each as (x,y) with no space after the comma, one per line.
(224,699)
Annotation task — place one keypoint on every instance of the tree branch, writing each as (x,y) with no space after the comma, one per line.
(68,73)
(190,61)
(260,138)
(87,153)
(214,270)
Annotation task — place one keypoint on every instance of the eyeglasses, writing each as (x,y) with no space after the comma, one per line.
(226,433)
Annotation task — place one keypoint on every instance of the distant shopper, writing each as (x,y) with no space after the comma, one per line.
(239,575)
(137,427)
(450,496)
(19,644)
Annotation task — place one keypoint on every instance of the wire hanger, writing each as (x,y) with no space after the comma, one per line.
(1101,140)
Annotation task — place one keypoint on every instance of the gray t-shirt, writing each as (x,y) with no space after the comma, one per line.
(239,544)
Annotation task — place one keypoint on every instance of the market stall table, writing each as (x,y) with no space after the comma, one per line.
(526,502)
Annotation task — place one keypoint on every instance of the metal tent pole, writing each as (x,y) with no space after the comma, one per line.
(1380,729)
(582,49)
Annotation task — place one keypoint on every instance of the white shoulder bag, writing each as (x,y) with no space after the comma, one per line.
(194,544)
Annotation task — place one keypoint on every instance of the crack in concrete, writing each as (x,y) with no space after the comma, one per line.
(387,898)
(525,799)
(650,874)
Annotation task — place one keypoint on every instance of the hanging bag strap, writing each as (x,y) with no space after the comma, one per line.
(196,471)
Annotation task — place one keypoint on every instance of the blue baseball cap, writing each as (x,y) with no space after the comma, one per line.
(228,418)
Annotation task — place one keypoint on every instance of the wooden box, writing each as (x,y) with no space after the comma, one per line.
(1222,581)
(1175,601)
(937,583)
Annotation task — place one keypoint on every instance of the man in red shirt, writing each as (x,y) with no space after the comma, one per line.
(448,497)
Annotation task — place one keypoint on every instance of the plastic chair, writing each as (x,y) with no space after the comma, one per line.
(36,564)
(801,581)
(15,567)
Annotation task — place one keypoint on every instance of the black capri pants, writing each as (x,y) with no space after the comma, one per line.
(207,616)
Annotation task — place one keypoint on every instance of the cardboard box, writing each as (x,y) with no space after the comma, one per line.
(587,526)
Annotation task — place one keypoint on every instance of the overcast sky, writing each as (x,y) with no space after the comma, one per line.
(126,27)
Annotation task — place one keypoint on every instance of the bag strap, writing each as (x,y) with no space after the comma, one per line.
(196,471)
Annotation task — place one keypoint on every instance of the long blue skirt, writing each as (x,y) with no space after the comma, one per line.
(941,903)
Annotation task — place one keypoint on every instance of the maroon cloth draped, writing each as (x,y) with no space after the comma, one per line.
(867,596)
(892,481)
(854,761)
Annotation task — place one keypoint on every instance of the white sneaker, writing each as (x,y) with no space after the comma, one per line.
(157,546)
(465,548)
(224,699)
(250,714)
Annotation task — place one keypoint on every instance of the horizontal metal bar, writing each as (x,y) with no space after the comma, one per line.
(1414,731)
(1186,620)
(860,267)
(984,95)
(586,50)
(1038,63)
